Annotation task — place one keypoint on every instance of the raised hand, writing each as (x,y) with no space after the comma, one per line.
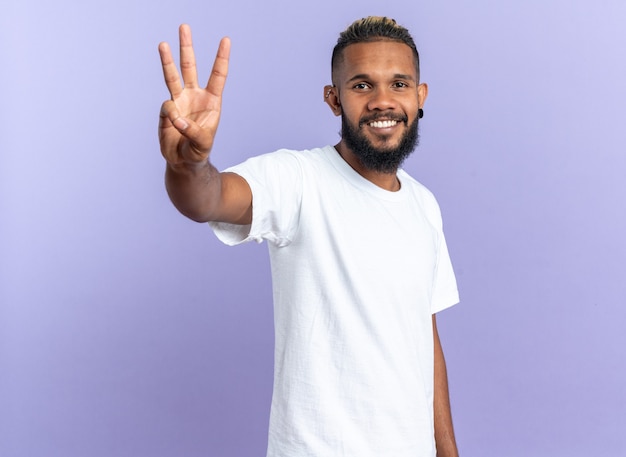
(188,122)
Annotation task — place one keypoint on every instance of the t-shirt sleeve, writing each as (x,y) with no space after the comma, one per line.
(445,290)
(276,183)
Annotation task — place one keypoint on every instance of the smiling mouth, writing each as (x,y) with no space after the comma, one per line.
(382,124)
(383,120)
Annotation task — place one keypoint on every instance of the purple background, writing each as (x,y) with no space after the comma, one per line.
(127,330)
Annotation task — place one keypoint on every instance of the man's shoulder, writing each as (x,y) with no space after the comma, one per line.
(414,185)
(304,160)
(284,163)
(301,154)
(420,194)
(289,155)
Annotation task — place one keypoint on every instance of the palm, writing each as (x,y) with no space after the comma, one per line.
(189,120)
(198,106)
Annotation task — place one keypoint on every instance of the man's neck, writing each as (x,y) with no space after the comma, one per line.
(387,181)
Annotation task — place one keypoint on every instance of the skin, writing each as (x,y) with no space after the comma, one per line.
(187,126)
(444,430)
(372,79)
(377,78)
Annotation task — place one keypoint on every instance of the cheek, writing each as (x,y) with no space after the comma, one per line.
(352,107)
(413,106)
(411,111)
(352,116)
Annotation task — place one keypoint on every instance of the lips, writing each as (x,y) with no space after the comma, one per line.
(382,124)
(382,121)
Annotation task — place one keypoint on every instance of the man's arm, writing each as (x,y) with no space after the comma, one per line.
(187,126)
(444,431)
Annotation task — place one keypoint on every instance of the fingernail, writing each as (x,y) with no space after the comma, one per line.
(181,124)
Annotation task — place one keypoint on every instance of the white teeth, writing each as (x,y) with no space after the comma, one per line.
(383,124)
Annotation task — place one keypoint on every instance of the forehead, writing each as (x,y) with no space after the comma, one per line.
(376,57)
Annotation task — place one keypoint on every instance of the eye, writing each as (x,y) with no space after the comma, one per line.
(400,85)
(361,86)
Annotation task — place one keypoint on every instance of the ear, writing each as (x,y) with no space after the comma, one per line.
(422,93)
(331,97)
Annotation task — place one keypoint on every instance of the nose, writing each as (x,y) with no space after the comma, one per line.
(382,99)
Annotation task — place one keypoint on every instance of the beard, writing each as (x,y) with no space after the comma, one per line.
(382,159)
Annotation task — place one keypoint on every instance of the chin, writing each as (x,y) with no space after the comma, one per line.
(385,146)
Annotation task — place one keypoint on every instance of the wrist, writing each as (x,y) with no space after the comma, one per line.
(189,167)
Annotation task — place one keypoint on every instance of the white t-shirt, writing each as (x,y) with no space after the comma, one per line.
(357,273)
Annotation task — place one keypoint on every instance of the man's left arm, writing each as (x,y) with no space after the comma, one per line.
(444,431)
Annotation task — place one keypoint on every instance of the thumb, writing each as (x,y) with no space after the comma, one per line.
(200,139)
(181,124)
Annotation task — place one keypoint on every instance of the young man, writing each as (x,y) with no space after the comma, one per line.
(359,260)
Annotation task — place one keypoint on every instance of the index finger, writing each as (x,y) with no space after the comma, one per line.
(219,72)
(170,73)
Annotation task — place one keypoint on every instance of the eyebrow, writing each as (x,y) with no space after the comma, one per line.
(366,76)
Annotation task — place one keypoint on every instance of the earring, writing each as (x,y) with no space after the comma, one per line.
(328,92)
(420,113)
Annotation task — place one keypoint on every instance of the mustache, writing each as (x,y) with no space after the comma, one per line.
(388,116)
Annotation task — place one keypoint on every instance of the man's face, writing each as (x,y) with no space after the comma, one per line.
(379,96)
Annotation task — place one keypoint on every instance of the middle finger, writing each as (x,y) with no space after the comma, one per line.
(187,58)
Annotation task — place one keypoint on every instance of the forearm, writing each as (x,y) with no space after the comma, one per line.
(444,431)
(194,189)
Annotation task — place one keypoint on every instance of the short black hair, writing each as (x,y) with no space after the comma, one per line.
(374,28)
